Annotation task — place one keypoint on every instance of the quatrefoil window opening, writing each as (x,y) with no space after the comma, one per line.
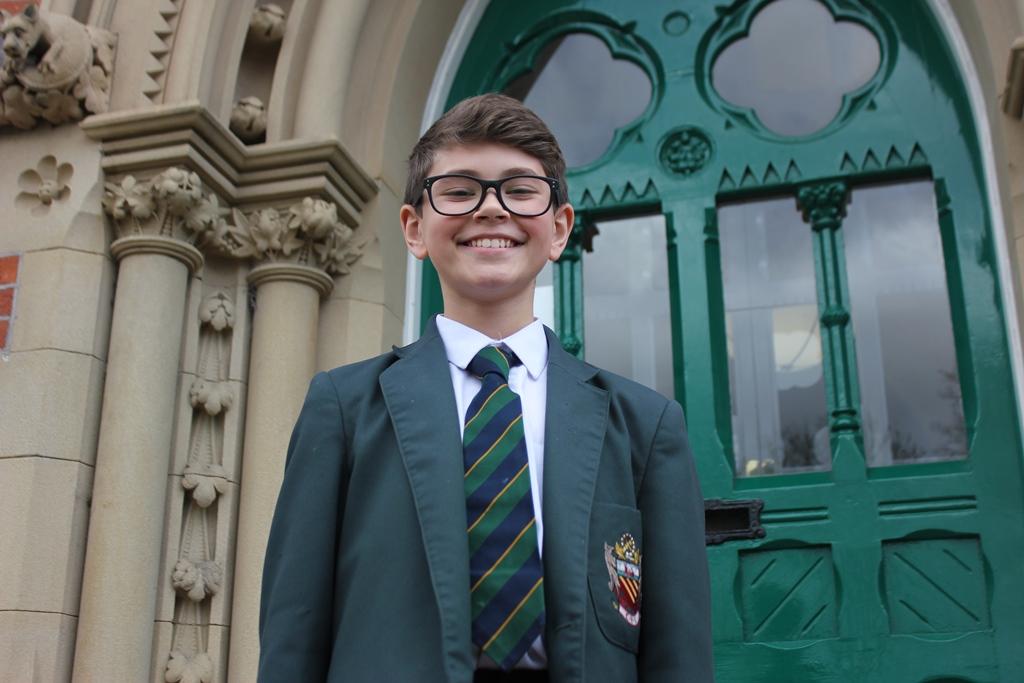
(795,66)
(583,93)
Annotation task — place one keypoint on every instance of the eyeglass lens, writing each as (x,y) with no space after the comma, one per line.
(522,195)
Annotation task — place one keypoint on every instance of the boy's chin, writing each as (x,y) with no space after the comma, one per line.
(494,290)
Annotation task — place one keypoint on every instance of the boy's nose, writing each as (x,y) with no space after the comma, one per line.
(491,207)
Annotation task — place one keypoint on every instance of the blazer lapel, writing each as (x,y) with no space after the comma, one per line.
(575,423)
(419,397)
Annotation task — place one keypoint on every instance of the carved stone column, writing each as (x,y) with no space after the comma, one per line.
(290,209)
(157,221)
(300,247)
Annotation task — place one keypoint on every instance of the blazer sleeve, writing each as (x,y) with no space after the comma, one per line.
(296,604)
(675,637)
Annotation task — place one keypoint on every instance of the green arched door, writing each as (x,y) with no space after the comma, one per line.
(783,223)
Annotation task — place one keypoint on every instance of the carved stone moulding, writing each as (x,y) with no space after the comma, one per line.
(287,272)
(155,244)
(177,172)
(170,212)
(145,142)
(54,68)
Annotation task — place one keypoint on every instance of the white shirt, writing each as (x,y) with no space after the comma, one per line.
(530,382)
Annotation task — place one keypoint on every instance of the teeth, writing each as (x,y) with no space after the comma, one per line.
(492,243)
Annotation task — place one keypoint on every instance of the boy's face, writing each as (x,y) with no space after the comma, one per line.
(477,274)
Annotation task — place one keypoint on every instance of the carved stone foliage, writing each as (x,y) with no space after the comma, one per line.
(184,669)
(308,232)
(197,575)
(249,120)
(173,204)
(170,204)
(54,68)
(267,23)
(43,185)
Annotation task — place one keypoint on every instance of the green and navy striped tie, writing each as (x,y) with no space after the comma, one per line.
(506,578)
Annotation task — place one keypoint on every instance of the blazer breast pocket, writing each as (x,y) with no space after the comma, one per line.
(614,572)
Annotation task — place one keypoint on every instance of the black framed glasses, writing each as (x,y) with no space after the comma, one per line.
(523,195)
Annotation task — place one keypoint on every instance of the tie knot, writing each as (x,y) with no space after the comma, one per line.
(492,359)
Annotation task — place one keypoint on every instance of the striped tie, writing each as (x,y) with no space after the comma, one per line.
(506,579)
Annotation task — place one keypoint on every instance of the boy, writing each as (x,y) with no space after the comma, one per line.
(480,505)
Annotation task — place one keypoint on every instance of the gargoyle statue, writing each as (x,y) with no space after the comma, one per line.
(54,68)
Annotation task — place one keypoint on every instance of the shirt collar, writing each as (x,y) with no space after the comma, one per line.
(462,342)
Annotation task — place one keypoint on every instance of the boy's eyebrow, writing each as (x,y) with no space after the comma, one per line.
(508,172)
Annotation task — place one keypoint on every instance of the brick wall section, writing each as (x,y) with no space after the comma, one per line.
(8,288)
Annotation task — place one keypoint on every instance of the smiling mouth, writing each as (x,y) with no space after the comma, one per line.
(491,243)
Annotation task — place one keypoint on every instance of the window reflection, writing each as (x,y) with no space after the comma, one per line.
(777,385)
(569,89)
(911,405)
(795,66)
(626,320)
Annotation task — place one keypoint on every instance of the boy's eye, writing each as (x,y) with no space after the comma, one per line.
(521,190)
(456,189)
(459,192)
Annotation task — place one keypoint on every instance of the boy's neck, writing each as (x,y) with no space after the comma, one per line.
(495,319)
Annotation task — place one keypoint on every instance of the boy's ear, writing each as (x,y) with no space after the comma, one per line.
(565,216)
(412,228)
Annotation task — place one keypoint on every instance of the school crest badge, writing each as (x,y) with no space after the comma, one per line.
(623,560)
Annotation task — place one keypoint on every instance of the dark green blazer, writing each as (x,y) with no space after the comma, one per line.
(367,567)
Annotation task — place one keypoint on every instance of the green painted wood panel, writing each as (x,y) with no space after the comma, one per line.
(905,573)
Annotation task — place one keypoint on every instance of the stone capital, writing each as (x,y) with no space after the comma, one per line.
(172,207)
(175,171)
(170,204)
(306,233)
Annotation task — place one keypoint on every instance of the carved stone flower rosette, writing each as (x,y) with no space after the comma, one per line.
(197,580)
(185,668)
(206,482)
(217,312)
(43,185)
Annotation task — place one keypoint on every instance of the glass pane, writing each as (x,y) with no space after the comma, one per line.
(906,361)
(776,382)
(795,66)
(570,90)
(626,323)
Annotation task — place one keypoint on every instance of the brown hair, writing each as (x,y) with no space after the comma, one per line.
(487,118)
